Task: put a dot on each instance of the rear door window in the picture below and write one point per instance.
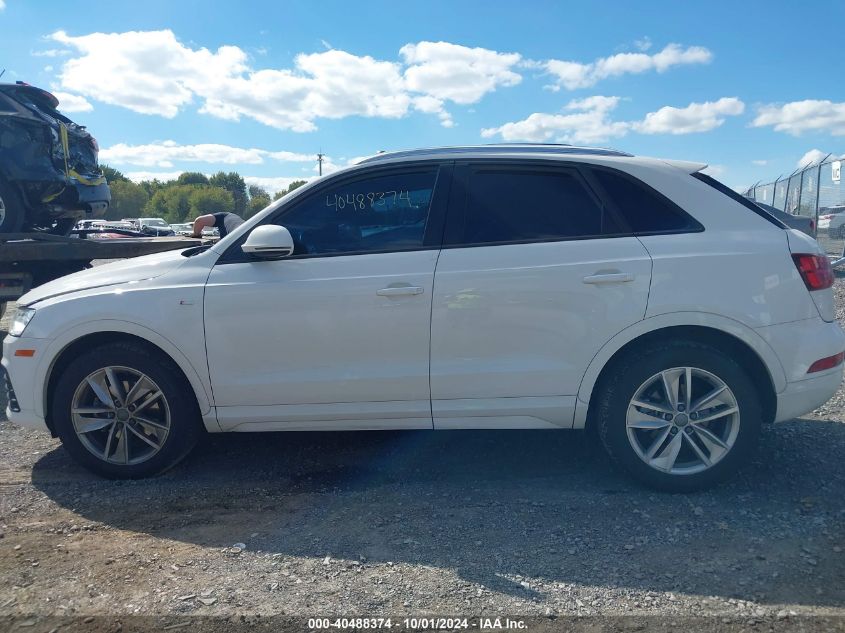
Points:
(507, 204)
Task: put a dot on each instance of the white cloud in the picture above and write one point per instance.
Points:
(457, 73)
(798, 117)
(760, 163)
(272, 184)
(696, 117)
(166, 153)
(585, 121)
(589, 121)
(573, 75)
(138, 176)
(2, 5)
(72, 103)
(151, 72)
(643, 44)
(814, 156)
(51, 52)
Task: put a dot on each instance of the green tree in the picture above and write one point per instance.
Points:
(256, 204)
(172, 202)
(296, 184)
(152, 186)
(192, 178)
(258, 192)
(127, 200)
(205, 200)
(112, 175)
(234, 183)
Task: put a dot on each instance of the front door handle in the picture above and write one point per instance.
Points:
(608, 278)
(399, 291)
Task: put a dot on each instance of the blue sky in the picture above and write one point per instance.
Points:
(260, 87)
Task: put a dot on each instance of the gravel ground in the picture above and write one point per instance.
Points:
(483, 523)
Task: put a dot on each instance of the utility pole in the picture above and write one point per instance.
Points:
(320, 163)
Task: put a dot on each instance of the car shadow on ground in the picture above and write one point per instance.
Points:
(497, 507)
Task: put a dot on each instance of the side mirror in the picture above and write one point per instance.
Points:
(269, 241)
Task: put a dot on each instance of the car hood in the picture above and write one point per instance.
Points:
(125, 271)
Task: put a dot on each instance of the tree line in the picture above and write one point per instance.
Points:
(186, 197)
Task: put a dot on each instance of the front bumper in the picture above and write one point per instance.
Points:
(81, 201)
(22, 385)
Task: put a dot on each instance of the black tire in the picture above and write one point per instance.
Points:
(633, 370)
(12, 209)
(185, 424)
(841, 232)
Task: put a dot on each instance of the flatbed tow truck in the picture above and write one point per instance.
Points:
(31, 259)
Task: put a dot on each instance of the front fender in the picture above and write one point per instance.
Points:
(198, 380)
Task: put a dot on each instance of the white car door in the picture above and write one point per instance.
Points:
(529, 286)
(337, 335)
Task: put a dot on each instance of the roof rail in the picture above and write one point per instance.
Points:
(498, 148)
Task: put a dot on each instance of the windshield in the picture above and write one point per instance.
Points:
(155, 222)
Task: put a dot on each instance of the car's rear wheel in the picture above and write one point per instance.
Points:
(125, 411)
(841, 232)
(680, 416)
(12, 211)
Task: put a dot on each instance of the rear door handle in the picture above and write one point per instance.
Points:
(399, 291)
(609, 278)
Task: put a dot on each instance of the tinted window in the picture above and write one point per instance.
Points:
(514, 205)
(382, 213)
(644, 210)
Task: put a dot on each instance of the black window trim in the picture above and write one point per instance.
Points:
(694, 225)
(434, 227)
(457, 213)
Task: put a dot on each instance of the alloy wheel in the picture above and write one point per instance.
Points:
(682, 420)
(2, 211)
(120, 415)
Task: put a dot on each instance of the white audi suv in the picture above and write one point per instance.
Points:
(494, 287)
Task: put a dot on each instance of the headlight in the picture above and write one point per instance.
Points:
(22, 318)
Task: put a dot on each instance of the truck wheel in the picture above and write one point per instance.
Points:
(12, 211)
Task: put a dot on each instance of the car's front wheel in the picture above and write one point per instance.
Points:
(679, 416)
(125, 411)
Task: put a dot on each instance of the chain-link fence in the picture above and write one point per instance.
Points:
(816, 192)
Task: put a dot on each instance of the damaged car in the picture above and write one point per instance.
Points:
(49, 174)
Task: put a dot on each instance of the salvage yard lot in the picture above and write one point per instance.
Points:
(450, 523)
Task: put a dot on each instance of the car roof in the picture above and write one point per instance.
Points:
(497, 149)
(523, 151)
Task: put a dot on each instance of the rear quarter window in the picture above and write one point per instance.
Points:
(643, 209)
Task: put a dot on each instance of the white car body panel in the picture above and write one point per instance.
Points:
(308, 344)
(314, 332)
(521, 321)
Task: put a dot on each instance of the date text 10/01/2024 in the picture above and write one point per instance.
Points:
(419, 624)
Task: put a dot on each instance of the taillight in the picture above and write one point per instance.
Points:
(827, 363)
(826, 217)
(815, 270)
